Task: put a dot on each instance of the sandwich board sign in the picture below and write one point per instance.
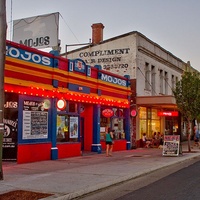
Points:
(171, 145)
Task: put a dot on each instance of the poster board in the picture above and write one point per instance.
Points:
(35, 120)
(171, 145)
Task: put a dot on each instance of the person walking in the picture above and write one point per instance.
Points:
(109, 142)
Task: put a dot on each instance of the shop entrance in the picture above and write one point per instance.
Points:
(82, 133)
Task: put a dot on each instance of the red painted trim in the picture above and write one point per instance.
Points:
(119, 145)
(27, 153)
(67, 150)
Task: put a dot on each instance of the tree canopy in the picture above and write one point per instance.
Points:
(187, 95)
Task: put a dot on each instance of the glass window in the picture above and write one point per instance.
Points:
(149, 121)
(115, 122)
(73, 107)
(142, 113)
(67, 128)
(118, 128)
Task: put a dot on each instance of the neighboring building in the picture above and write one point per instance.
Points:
(153, 73)
(56, 108)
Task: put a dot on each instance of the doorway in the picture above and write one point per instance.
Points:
(82, 133)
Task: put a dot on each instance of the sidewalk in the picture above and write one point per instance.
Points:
(73, 177)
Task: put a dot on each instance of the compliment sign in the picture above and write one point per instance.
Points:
(171, 145)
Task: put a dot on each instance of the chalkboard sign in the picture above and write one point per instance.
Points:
(35, 120)
(171, 145)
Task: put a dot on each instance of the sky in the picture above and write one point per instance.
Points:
(172, 24)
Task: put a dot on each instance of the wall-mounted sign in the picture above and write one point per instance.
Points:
(107, 113)
(35, 120)
(79, 66)
(168, 113)
(112, 79)
(61, 104)
(133, 113)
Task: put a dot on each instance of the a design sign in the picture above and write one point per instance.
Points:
(107, 113)
(168, 114)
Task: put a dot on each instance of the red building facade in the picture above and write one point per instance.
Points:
(54, 107)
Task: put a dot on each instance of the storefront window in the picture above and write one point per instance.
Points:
(73, 107)
(67, 128)
(118, 128)
(115, 122)
(171, 125)
(149, 122)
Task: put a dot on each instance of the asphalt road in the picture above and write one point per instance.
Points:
(177, 182)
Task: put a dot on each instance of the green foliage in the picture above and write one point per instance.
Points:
(187, 95)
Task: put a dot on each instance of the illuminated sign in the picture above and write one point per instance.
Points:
(133, 113)
(107, 113)
(168, 113)
(61, 104)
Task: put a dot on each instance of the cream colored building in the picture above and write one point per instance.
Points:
(153, 72)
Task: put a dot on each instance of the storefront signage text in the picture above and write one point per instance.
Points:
(108, 58)
(28, 56)
(168, 113)
(111, 79)
(107, 113)
(171, 145)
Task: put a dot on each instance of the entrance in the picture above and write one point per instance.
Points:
(82, 133)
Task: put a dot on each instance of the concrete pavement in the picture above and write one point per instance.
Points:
(72, 177)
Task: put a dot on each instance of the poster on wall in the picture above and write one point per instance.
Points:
(171, 145)
(73, 127)
(10, 121)
(62, 128)
(35, 120)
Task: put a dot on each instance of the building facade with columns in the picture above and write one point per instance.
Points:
(153, 73)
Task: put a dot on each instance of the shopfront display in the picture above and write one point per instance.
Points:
(150, 122)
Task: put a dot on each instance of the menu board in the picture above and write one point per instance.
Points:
(35, 120)
(171, 145)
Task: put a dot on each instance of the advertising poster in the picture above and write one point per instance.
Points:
(61, 127)
(73, 127)
(35, 120)
(10, 121)
(171, 145)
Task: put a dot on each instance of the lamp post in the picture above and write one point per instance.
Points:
(3, 27)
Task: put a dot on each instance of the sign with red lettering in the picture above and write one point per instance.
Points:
(168, 113)
(107, 113)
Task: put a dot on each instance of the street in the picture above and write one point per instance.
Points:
(180, 181)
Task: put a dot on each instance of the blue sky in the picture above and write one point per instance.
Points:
(173, 24)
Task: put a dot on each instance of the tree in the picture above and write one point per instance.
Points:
(3, 27)
(187, 95)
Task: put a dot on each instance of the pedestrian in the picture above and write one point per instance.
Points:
(196, 136)
(109, 142)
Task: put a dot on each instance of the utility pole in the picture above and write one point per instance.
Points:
(3, 28)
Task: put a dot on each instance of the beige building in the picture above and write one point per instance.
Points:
(153, 72)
